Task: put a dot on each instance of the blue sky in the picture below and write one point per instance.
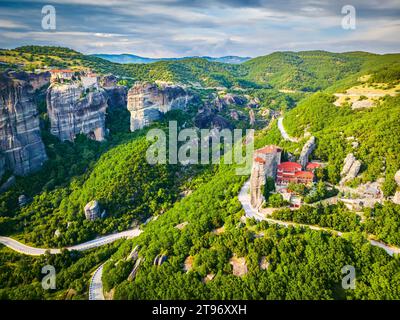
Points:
(176, 28)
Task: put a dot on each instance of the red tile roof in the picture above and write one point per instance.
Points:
(312, 165)
(269, 149)
(289, 166)
(61, 71)
(304, 174)
(259, 160)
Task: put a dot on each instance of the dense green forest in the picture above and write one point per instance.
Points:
(21, 276)
(295, 256)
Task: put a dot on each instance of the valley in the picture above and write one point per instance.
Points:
(75, 177)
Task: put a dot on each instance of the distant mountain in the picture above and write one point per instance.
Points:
(131, 58)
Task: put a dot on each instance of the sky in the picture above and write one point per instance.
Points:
(178, 28)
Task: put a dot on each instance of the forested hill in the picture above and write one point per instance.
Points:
(314, 70)
(359, 114)
(306, 71)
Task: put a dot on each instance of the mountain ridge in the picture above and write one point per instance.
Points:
(131, 58)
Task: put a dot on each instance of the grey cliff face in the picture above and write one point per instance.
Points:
(308, 148)
(148, 101)
(116, 94)
(21, 146)
(351, 168)
(72, 110)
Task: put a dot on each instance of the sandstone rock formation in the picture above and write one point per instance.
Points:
(308, 148)
(224, 101)
(8, 184)
(116, 94)
(265, 163)
(134, 254)
(209, 119)
(159, 260)
(351, 168)
(230, 98)
(2, 165)
(396, 198)
(148, 101)
(239, 266)
(252, 116)
(21, 147)
(135, 269)
(72, 110)
(253, 103)
(397, 177)
(22, 200)
(92, 210)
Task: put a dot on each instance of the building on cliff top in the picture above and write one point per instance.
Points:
(291, 172)
(90, 80)
(265, 164)
(59, 75)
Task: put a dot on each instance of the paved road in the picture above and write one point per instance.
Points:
(251, 212)
(24, 249)
(284, 134)
(96, 285)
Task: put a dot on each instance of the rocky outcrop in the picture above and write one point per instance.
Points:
(133, 255)
(307, 150)
(135, 269)
(148, 101)
(38, 80)
(397, 178)
(92, 210)
(222, 102)
(252, 117)
(351, 168)
(229, 99)
(21, 147)
(396, 198)
(265, 163)
(253, 103)
(116, 94)
(8, 184)
(209, 119)
(2, 165)
(159, 260)
(22, 200)
(72, 110)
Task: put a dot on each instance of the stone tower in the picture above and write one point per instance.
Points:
(265, 163)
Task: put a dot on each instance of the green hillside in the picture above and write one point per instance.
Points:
(376, 129)
(307, 71)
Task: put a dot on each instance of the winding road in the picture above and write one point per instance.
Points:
(96, 285)
(24, 249)
(244, 198)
